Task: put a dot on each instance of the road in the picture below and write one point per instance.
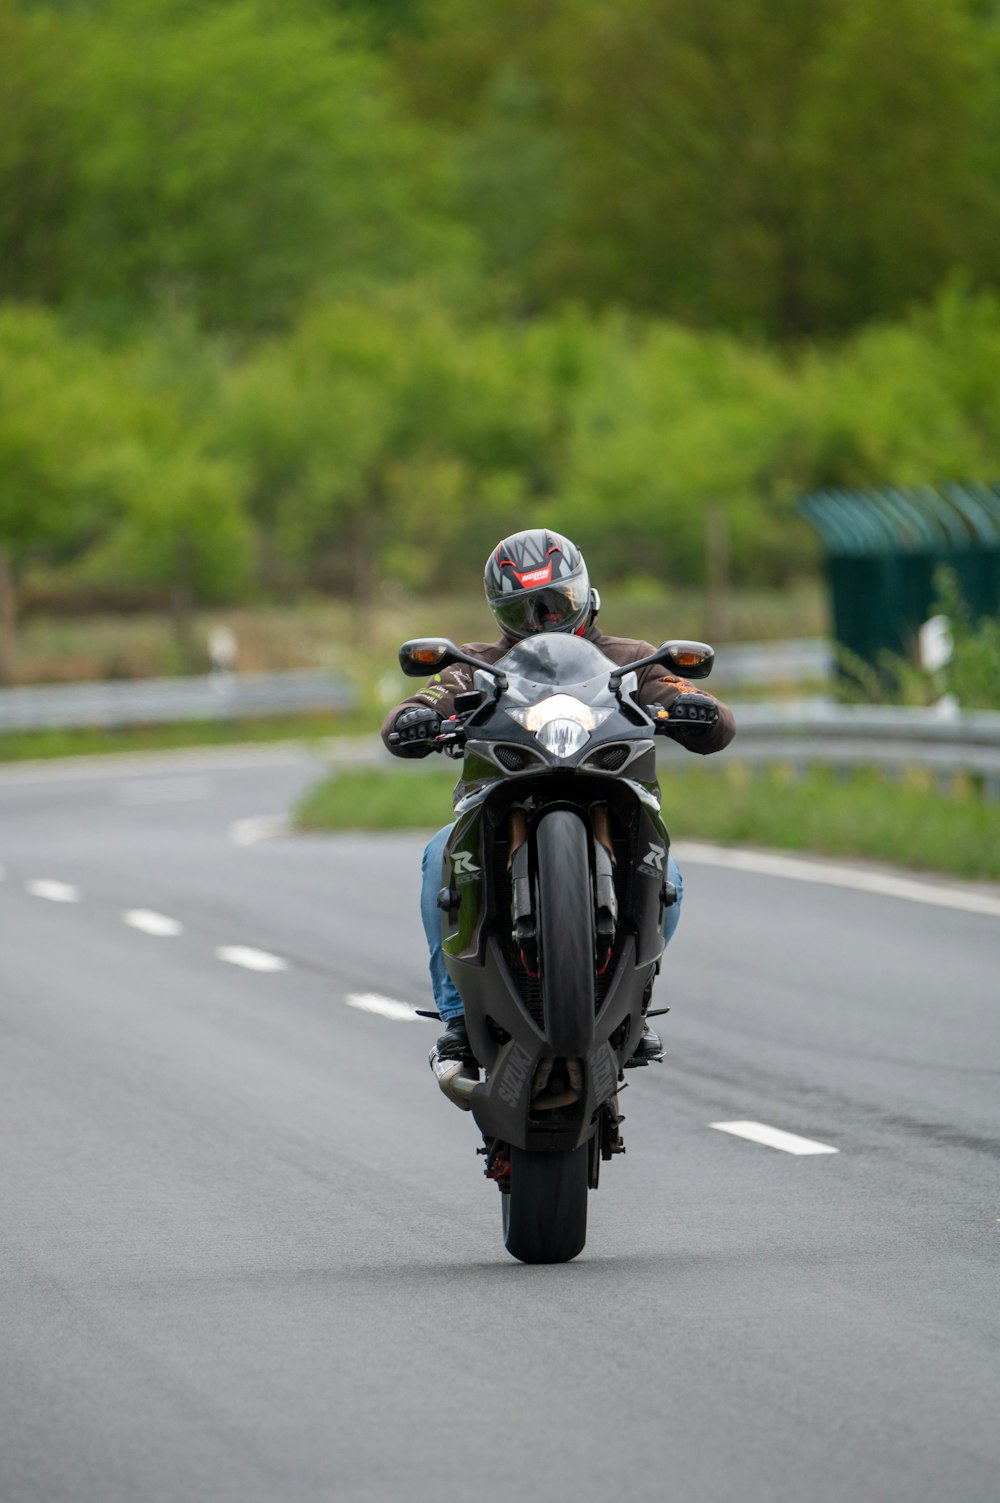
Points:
(247, 1252)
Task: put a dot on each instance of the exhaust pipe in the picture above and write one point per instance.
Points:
(544, 1098)
(456, 1080)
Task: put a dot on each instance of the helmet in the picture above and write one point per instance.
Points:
(537, 581)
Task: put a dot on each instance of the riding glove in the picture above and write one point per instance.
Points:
(414, 732)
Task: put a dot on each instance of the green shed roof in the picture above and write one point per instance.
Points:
(919, 520)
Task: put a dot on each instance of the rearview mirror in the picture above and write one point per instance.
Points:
(687, 659)
(426, 655)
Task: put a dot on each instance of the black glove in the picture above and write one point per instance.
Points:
(414, 732)
(689, 712)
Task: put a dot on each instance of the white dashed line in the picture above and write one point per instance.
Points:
(249, 959)
(773, 1137)
(149, 922)
(935, 895)
(54, 892)
(257, 827)
(385, 1007)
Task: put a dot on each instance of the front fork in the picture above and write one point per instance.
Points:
(605, 898)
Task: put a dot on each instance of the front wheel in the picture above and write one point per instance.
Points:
(545, 1209)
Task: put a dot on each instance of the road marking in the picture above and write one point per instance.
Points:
(385, 1007)
(55, 892)
(164, 791)
(773, 1137)
(883, 883)
(257, 827)
(251, 960)
(152, 923)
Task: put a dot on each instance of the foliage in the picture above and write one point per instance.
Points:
(234, 159)
(973, 675)
(56, 429)
(331, 294)
(760, 164)
(391, 438)
(971, 678)
(385, 437)
(109, 469)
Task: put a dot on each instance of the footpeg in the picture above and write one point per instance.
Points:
(648, 1051)
(639, 1062)
(456, 1079)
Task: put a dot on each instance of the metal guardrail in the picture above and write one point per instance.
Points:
(793, 661)
(162, 701)
(816, 732)
(227, 696)
(799, 733)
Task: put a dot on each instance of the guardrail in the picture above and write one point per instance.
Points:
(161, 701)
(227, 696)
(807, 733)
(798, 733)
(795, 660)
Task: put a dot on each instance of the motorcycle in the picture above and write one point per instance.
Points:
(554, 887)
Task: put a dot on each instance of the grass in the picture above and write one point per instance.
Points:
(17, 746)
(371, 799)
(908, 823)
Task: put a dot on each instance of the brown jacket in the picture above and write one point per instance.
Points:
(655, 687)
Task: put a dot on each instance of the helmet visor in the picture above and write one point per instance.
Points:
(558, 607)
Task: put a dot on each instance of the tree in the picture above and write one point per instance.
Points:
(384, 435)
(55, 431)
(778, 168)
(235, 159)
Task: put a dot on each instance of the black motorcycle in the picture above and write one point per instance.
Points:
(552, 907)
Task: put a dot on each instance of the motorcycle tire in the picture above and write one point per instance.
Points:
(565, 914)
(545, 1211)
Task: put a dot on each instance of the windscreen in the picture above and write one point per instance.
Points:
(552, 660)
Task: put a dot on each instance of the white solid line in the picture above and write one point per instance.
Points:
(251, 960)
(55, 892)
(385, 1007)
(257, 827)
(773, 1137)
(883, 883)
(149, 922)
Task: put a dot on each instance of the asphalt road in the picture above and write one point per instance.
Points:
(246, 1252)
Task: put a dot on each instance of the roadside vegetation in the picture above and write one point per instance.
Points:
(320, 299)
(311, 730)
(909, 823)
(323, 633)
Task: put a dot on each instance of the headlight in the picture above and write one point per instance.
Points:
(563, 738)
(559, 707)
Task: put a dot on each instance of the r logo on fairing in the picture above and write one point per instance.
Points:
(464, 865)
(654, 857)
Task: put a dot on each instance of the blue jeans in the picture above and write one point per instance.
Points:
(446, 997)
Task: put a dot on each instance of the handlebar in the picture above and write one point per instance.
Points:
(452, 737)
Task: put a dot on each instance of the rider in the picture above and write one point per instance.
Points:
(537, 581)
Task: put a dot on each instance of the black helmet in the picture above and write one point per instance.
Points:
(537, 581)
